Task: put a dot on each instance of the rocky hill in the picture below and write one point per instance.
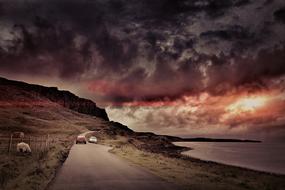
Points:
(36, 93)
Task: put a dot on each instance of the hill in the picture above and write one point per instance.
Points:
(17, 93)
(36, 109)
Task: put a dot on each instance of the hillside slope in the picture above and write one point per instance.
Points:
(17, 93)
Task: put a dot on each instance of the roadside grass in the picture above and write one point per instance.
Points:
(34, 172)
(195, 174)
(26, 172)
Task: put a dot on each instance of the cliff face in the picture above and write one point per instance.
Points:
(69, 100)
(63, 98)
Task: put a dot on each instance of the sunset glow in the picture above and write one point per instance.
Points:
(247, 104)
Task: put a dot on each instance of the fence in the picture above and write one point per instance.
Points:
(8, 144)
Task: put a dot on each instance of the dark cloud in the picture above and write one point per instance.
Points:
(142, 50)
(42, 49)
(232, 33)
(53, 34)
(280, 15)
(229, 72)
(169, 8)
(1, 9)
(267, 2)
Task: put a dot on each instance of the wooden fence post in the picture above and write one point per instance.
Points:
(42, 144)
(30, 142)
(35, 144)
(47, 142)
(10, 144)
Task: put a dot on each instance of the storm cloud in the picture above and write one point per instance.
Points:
(153, 50)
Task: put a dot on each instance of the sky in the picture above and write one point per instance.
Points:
(213, 68)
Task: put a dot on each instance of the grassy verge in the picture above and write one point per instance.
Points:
(195, 174)
(32, 172)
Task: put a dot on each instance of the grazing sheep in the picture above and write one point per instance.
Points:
(23, 147)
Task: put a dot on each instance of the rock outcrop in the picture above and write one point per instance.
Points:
(63, 98)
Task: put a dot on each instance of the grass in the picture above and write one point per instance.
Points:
(26, 172)
(34, 172)
(195, 174)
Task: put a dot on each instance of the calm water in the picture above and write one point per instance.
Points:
(268, 157)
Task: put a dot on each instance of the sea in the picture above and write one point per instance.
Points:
(264, 156)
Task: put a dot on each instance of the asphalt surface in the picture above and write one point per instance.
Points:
(92, 167)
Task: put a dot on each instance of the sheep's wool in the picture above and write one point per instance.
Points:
(23, 147)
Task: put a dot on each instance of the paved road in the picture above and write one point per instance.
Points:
(92, 167)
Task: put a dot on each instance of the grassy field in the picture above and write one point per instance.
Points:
(194, 174)
(26, 172)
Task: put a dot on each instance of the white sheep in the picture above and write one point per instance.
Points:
(23, 147)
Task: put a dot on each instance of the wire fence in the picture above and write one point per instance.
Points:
(8, 144)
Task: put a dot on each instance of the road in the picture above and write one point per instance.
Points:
(92, 167)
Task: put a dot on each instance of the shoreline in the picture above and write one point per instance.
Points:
(202, 139)
(232, 165)
(243, 165)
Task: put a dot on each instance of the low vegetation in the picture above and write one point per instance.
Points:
(195, 174)
(35, 171)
